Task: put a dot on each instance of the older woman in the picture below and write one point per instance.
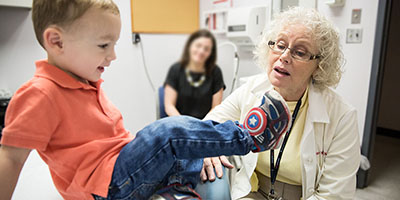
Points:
(302, 59)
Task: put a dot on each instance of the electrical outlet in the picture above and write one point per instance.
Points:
(354, 35)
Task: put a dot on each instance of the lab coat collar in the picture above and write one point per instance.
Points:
(61, 78)
(261, 84)
(317, 110)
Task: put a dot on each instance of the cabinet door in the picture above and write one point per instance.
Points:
(16, 3)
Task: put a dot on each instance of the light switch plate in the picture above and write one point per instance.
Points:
(356, 16)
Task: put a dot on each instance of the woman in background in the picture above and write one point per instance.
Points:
(194, 85)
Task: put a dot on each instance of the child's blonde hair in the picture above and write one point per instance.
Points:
(63, 13)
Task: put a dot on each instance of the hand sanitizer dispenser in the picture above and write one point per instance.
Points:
(245, 25)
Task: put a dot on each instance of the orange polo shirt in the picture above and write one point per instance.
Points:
(76, 130)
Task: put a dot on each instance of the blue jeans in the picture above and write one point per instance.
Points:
(169, 151)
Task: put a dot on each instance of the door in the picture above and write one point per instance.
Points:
(382, 108)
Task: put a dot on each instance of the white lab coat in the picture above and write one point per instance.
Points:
(330, 127)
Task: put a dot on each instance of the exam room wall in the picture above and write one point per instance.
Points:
(358, 57)
(125, 82)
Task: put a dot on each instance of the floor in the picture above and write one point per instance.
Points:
(384, 182)
(35, 181)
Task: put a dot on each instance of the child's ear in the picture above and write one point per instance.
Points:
(53, 40)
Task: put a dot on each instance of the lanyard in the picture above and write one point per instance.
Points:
(275, 167)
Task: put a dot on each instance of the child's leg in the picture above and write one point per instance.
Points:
(185, 172)
(148, 160)
(145, 162)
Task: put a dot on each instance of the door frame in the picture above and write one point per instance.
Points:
(375, 87)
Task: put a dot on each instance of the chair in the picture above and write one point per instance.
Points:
(3, 108)
(219, 189)
(160, 109)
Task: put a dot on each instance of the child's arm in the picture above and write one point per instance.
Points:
(11, 161)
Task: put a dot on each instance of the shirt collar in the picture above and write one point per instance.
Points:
(304, 100)
(61, 78)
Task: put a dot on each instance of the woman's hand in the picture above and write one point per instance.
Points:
(207, 172)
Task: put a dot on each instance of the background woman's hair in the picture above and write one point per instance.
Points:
(323, 33)
(210, 62)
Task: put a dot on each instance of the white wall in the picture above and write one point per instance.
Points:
(125, 81)
(354, 85)
(18, 47)
(355, 82)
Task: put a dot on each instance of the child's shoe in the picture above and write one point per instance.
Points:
(176, 191)
(268, 122)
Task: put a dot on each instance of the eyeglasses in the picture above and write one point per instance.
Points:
(296, 53)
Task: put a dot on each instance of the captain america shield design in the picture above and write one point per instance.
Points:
(256, 121)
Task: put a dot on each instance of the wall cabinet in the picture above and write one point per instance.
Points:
(16, 3)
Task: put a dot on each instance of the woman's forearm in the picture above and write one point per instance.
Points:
(171, 110)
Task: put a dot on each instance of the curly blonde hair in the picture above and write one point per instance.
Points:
(323, 33)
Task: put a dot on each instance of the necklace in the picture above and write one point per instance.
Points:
(190, 79)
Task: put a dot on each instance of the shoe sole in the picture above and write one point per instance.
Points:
(275, 95)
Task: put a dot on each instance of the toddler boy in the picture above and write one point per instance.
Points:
(63, 113)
